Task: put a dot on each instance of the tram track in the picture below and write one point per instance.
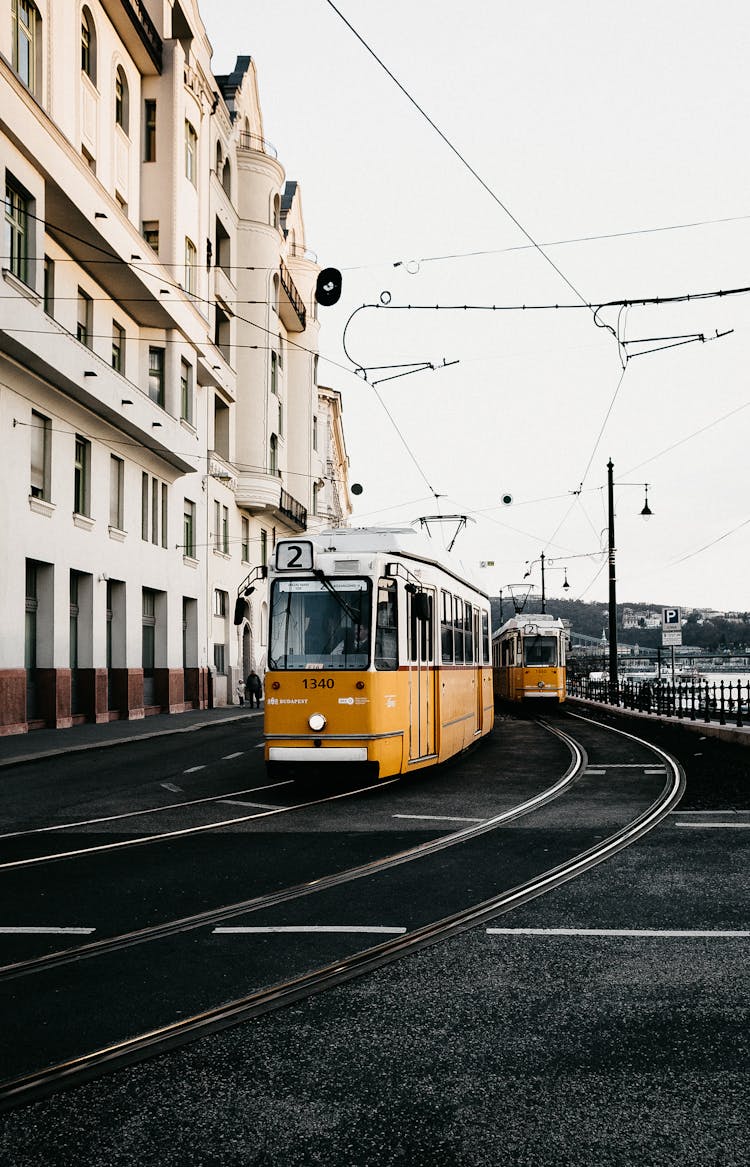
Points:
(285, 991)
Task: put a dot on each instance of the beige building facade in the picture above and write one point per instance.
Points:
(158, 365)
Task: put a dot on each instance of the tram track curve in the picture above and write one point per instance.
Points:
(168, 1036)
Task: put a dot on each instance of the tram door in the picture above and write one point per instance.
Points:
(422, 676)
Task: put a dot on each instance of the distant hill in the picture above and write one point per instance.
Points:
(591, 619)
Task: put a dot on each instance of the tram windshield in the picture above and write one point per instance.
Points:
(540, 650)
(316, 625)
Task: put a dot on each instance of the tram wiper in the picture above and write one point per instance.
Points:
(354, 616)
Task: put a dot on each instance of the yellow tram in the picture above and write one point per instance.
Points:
(379, 655)
(528, 657)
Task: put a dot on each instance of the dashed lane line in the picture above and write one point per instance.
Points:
(252, 805)
(377, 930)
(669, 933)
(716, 826)
(438, 818)
(171, 786)
(40, 930)
(193, 769)
(230, 757)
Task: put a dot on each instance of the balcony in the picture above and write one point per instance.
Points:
(129, 16)
(259, 493)
(293, 510)
(291, 308)
(255, 142)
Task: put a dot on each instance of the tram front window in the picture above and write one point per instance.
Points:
(540, 650)
(317, 625)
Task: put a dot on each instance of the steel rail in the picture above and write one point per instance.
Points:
(94, 948)
(41, 1083)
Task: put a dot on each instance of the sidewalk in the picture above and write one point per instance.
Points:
(738, 735)
(48, 743)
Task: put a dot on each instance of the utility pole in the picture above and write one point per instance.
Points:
(612, 586)
(541, 557)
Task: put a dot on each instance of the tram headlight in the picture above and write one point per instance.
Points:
(317, 721)
(540, 684)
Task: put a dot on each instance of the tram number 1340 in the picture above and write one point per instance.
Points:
(319, 683)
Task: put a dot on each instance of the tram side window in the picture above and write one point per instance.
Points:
(468, 634)
(485, 638)
(458, 629)
(507, 647)
(446, 627)
(420, 631)
(386, 626)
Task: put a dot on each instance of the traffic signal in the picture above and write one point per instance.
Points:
(328, 287)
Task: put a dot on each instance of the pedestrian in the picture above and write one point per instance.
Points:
(241, 692)
(254, 688)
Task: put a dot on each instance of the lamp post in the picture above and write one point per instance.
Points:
(542, 560)
(646, 512)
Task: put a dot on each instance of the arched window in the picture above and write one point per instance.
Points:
(26, 40)
(219, 158)
(122, 103)
(273, 454)
(226, 178)
(88, 45)
(276, 211)
(275, 299)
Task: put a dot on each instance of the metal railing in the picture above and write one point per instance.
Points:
(255, 142)
(727, 702)
(293, 510)
(146, 27)
(292, 294)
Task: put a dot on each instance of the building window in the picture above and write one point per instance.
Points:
(122, 100)
(186, 391)
(315, 498)
(220, 602)
(118, 347)
(164, 514)
(315, 433)
(281, 419)
(150, 232)
(83, 327)
(49, 286)
(191, 151)
(88, 45)
(156, 375)
(41, 430)
(191, 271)
(219, 658)
(154, 511)
(25, 21)
(17, 209)
(226, 179)
(221, 528)
(188, 530)
(274, 373)
(148, 618)
(264, 547)
(245, 540)
(82, 476)
(273, 454)
(149, 131)
(116, 501)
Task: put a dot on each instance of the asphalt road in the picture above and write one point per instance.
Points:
(530, 1045)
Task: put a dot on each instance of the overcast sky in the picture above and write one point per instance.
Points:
(582, 119)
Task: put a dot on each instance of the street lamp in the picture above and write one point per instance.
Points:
(543, 559)
(646, 514)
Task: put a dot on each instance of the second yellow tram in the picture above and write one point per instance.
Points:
(528, 657)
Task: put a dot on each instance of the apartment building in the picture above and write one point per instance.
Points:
(158, 341)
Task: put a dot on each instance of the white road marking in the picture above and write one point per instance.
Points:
(707, 812)
(193, 769)
(716, 826)
(338, 928)
(229, 757)
(597, 772)
(171, 786)
(43, 931)
(261, 746)
(654, 770)
(254, 805)
(438, 818)
(670, 933)
(628, 766)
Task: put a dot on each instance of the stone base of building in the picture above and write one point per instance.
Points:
(60, 698)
